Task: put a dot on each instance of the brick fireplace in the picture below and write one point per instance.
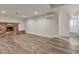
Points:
(8, 28)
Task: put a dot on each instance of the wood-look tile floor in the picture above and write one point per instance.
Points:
(31, 44)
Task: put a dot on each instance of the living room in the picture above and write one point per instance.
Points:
(39, 28)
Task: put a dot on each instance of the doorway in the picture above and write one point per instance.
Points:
(74, 26)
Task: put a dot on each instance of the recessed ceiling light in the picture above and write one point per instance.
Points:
(35, 12)
(24, 16)
(3, 11)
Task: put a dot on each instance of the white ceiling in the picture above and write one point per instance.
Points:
(24, 9)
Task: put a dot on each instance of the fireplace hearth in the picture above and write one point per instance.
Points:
(8, 28)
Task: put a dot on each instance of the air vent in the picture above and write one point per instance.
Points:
(50, 13)
(17, 12)
(56, 5)
(49, 16)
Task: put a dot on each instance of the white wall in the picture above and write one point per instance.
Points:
(42, 26)
(46, 27)
(65, 14)
(13, 20)
(78, 25)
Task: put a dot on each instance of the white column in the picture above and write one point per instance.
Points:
(64, 23)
